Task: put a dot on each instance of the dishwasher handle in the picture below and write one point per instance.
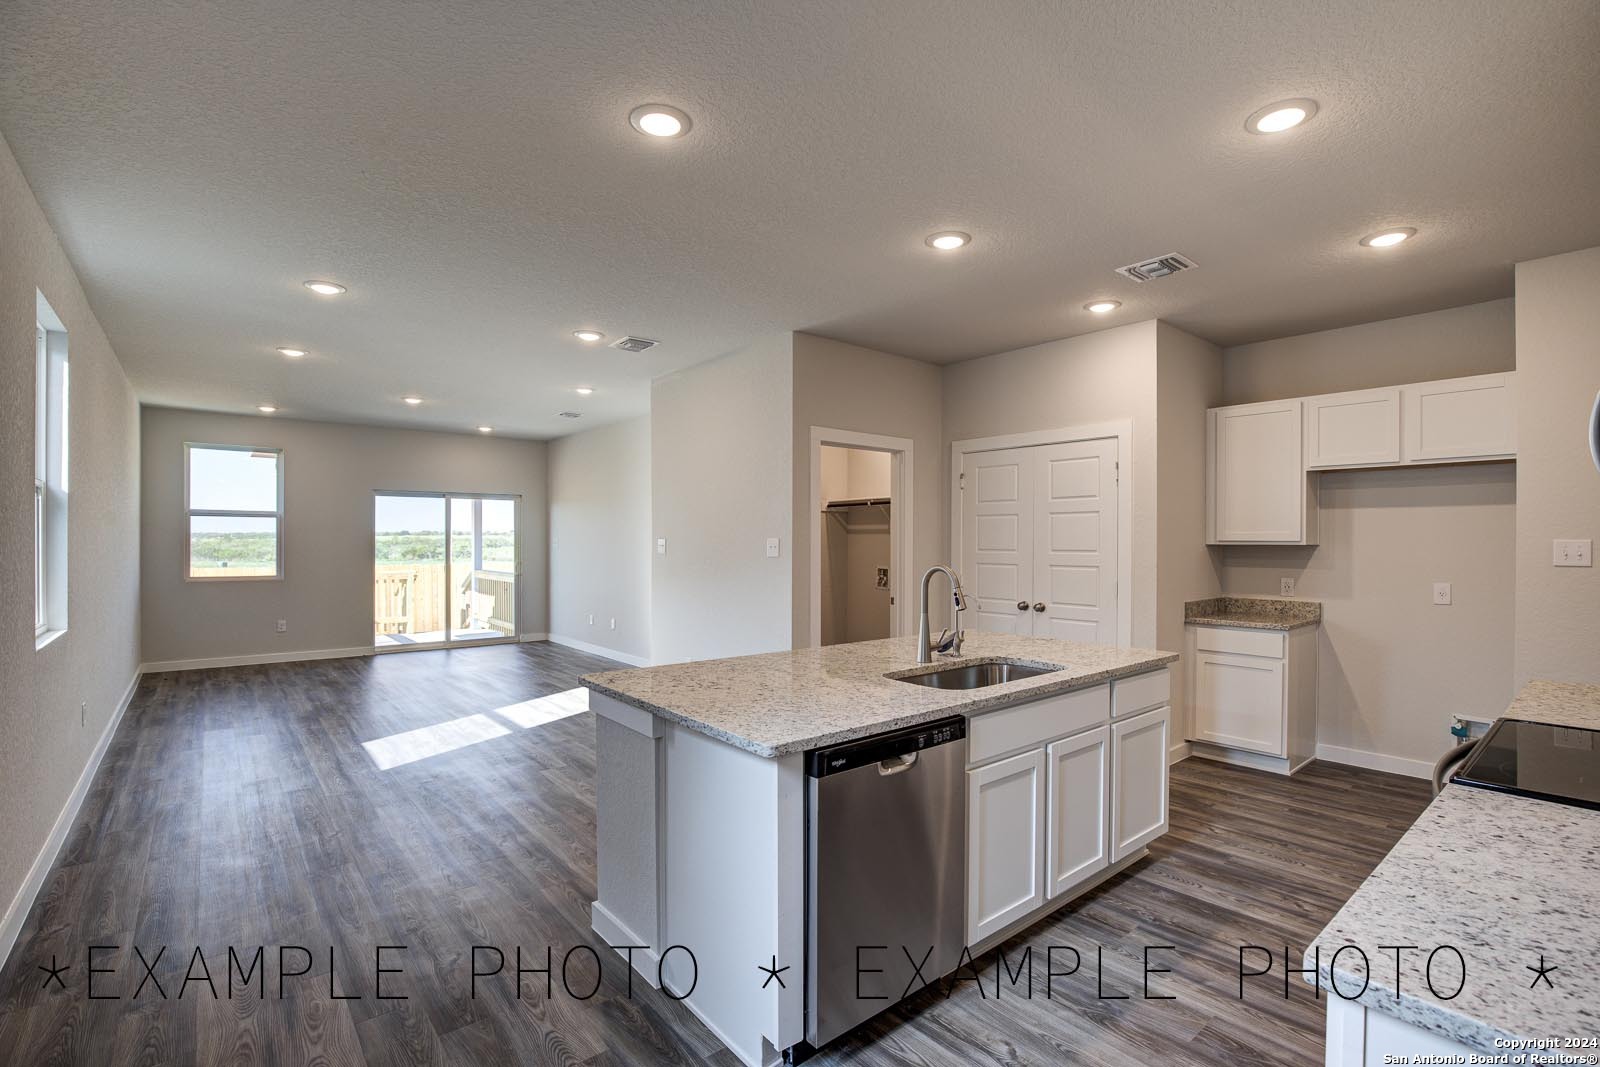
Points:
(898, 765)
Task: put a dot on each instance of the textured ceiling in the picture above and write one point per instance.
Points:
(468, 170)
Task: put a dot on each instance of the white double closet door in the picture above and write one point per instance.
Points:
(1039, 540)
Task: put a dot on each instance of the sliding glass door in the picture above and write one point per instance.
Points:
(444, 569)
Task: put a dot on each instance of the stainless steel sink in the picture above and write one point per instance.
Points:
(976, 675)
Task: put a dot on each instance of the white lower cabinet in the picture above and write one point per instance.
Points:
(1238, 701)
(1254, 695)
(1005, 829)
(1139, 781)
(1079, 772)
(1061, 791)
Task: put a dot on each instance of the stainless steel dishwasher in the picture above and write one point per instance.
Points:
(885, 871)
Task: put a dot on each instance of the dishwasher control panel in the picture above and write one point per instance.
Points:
(821, 762)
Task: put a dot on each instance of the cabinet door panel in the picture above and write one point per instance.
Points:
(1462, 418)
(1005, 827)
(1258, 483)
(1239, 701)
(1078, 770)
(1138, 781)
(1353, 429)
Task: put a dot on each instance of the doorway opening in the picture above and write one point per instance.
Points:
(860, 537)
(444, 570)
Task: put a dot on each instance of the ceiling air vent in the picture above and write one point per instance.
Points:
(570, 414)
(634, 344)
(1160, 267)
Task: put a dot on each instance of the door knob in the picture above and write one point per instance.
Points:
(1038, 605)
(1022, 605)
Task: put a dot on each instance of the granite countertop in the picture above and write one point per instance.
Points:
(786, 702)
(1503, 878)
(1253, 612)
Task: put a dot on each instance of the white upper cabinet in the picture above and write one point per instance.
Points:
(1460, 419)
(1353, 429)
(1259, 492)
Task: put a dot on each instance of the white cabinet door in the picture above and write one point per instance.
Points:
(1461, 418)
(997, 532)
(1005, 842)
(1239, 701)
(1353, 429)
(1138, 781)
(1079, 770)
(1075, 541)
(1257, 491)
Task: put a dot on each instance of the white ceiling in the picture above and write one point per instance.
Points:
(469, 171)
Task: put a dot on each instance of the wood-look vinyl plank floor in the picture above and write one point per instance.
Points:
(237, 807)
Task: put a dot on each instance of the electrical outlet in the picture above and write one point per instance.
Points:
(283, 626)
(1441, 593)
(613, 624)
(1574, 553)
(1286, 587)
(661, 546)
(83, 713)
(772, 548)
(591, 618)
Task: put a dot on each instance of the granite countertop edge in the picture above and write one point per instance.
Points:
(962, 702)
(1249, 623)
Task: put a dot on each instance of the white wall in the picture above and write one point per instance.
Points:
(56, 702)
(845, 387)
(600, 545)
(722, 467)
(1093, 378)
(1558, 489)
(1188, 381)
(1393, 668)
(331, 471)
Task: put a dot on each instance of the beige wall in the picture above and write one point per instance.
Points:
(55, 702)
(1097, 377)
(600, 537)
(1454, 343)
(1558, 489)
(330, 473)
(1188, 381)
(1393, 667)
(844, 387)
(722, 464)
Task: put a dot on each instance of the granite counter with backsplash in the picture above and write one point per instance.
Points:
(1253, 612)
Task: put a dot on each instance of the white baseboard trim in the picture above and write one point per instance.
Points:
(599, 650)
(525, 638)
(22, 903)
(1376, 761)
(613, 931)
(1179, 752)
(263, 657)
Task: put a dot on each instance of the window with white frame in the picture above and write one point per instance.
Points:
(50, 433)
(234, 496)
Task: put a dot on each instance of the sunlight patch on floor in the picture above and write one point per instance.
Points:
(541, 710)
(397, 750)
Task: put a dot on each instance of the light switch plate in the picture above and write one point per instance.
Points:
(661, 546)
(283, 626)
(1286, 587)
(772, 548)
(1573, 553)
(1441, 593)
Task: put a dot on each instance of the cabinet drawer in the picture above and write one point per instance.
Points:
(994, 733)
(1240, 642)
(1142, 691)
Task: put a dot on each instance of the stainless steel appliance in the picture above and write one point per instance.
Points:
(1537, 759)
(885, 867)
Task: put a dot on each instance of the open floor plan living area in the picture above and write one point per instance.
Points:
(910, 535)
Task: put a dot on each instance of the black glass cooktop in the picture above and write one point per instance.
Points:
(1536, 759)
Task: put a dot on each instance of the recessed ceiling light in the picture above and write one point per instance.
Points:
(293, 353)
(588, 336)
(266, 409)
(1284, 115)
(659, 120)
(486, 429)
(1101, 307)
(949, 240)
(1389, 238)
(583, 390)
(325, 288)
(412, 400)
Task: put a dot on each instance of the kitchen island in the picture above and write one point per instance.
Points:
(701, 802)
(1486, 883)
